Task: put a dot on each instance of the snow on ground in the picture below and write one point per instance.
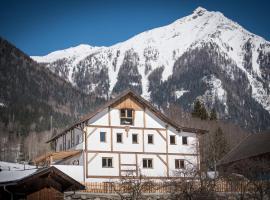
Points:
(15, 171)
(15, 175)
(8, 166)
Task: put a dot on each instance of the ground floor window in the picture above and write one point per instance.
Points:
(107, 162)
(179, 164)
(77, 139)
(147, 163)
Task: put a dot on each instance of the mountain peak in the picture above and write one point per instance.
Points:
(200, 11)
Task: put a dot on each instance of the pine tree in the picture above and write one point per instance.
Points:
(200, 111)
(203, 113)
(197, 109)
(213, 114)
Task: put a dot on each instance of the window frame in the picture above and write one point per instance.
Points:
(137, 141)
(121, 134)
(173, 136)
(179, 161)
(77, 139)
(68, 144)
(107, 158)
(126, 116)
(148, 138)
(147, 163)
(183, 140)
(105, 138)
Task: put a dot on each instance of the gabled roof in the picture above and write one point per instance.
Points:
(142, 101)
(251, 146)
(45, 177)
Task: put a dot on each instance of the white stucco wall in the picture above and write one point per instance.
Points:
(127, 144)
(190, 161)
(93, 141)
(152, 121)
(159, 144)
(159, 168)
(95, 165)
(100, 118)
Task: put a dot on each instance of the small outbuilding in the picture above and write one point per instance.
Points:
(251, 157)
(37, 184)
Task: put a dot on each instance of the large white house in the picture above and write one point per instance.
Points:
(126, 136)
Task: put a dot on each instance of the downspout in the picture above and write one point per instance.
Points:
(11, 194)
(84, 155)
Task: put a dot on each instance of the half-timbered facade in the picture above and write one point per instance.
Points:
(127, 136)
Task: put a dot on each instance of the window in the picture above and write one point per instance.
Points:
(184, 140)
(126, 116)
(172, 139)
(77, 139)
(135, 138)
(107, 162)
(150, 139)
(68, 146)
(179, 164)
(102, 136)
(119, 137)
(147, 163)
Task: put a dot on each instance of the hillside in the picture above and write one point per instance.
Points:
(31, 94)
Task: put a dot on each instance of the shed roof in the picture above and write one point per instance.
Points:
(253, 145)
(56, 155)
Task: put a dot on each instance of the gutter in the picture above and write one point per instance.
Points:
(11, 194)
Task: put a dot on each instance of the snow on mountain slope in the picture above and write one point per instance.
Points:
(161, 47)
(79, 52)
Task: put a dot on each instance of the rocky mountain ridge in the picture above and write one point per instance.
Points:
(202, 56)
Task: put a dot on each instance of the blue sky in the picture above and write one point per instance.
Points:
(39, 27)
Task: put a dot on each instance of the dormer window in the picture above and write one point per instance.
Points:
(126, 117)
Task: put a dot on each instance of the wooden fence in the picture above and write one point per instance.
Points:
(161, 187)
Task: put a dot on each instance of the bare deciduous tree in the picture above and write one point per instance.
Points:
(132, 187)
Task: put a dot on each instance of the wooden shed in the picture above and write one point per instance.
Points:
(47, 183)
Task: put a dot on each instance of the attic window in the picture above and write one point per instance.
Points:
(126, 117)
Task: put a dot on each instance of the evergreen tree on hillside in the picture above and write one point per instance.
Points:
(197, 109)
(128, 75)
(204, 114)
(213, 114)
(200, 111)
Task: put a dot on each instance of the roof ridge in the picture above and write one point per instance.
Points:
(119, 97)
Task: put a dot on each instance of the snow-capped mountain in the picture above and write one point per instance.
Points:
(201, 56)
